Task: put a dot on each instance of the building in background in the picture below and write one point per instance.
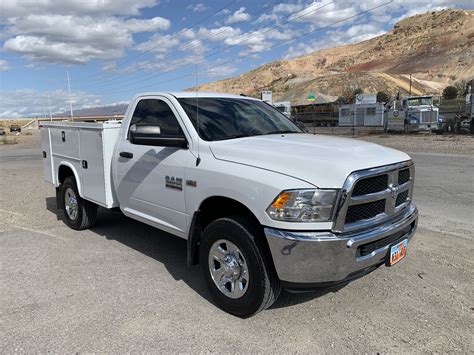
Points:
(362, 115)
(284, 107)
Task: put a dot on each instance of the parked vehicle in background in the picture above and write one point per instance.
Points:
(413, 113)
(284, 107)
(262, 204)
(2, 131)
(460, 123)
(15, 128)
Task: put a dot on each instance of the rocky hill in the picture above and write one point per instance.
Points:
(437, 48)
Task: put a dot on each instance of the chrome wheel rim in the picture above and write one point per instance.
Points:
(228, 268)
(70, 203)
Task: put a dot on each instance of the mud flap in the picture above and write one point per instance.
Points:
(59, 205)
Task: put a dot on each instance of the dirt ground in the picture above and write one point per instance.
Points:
(123, 286)
(425, 143)
(419, 143)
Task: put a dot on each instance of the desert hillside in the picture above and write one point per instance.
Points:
(437, 48)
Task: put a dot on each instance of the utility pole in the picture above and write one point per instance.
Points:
(410, 84)
(471, 105)
(69, 88)
(50, 112)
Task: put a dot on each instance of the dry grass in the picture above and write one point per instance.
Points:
(8, 140)
(7, 123)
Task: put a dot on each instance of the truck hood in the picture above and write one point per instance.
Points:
(322, 161)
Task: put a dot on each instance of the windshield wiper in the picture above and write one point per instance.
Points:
(280, 132)
(253, 135)
(232, 137)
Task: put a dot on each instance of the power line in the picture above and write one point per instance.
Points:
(290, 18)
(128, 60)
(267, 48)
(148, 65)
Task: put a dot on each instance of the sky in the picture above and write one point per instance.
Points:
(114, 49)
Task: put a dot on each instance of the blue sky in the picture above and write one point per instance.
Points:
(114, 49)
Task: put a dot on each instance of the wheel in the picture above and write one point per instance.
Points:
(78, 214)
(236, 269)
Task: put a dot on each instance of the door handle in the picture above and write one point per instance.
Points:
(126, 155)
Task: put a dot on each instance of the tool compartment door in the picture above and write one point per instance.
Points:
(48, 174)
(92, 165)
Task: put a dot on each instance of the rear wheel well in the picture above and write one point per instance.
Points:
(64, 172)
(211, 209)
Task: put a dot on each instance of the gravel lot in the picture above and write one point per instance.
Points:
(124, 286)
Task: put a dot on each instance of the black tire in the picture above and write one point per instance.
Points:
(263, 286)
(86, 210)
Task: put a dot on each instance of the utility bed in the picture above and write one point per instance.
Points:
(87, 148)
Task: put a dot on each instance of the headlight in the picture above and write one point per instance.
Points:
(303, 206)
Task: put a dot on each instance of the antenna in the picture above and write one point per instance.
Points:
(69, 88)
(50, 113)
(198, 160)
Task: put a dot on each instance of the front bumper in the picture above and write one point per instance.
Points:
(324, 258)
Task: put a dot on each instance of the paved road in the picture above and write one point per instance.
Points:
(123, 286)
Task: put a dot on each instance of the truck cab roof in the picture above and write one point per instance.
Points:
(193, 94)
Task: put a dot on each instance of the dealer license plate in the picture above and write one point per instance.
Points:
(397, 252)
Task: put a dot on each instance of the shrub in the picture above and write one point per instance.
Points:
(6, 140)
(382, 96)
(450, 92)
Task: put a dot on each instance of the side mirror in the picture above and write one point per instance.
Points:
(151, 135)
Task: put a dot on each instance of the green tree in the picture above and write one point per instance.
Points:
(462, 86)
(450, 92)
(382, 96)
(341, 100)
(357, 92)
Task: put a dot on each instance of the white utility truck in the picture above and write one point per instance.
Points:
(262, 204)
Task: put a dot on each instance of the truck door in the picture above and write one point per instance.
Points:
(150, 179)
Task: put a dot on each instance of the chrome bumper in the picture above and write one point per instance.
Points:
(326, 257)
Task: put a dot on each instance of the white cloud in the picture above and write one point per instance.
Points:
(21, 8)
(280, 12)
(260, 40)
(159, 44)
(109, 67)
(221, 71)
(354, 34)
(218, 34)
(32, 103)
(75, 40)
(238, 16)
(4, 65)
(287, 8)
(319, 14)
(200, 7)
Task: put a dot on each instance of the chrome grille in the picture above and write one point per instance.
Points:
(374, 195)
(401, 198)
(370, 185)
(403, 176)
(365, 211)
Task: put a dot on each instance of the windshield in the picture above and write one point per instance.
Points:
(419, 101)
(227, 118)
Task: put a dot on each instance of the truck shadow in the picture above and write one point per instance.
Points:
(168, 250)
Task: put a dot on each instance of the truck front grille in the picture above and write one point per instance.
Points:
(365, 211)
(374, 195)
(401, 198)
(403, 176)
(370, 185)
